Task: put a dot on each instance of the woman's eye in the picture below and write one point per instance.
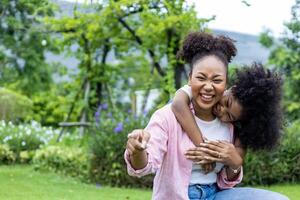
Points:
(217, 81)
(200, 78)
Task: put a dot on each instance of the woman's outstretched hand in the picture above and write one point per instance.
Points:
(137, 141)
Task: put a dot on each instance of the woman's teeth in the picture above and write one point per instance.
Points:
(206, 97)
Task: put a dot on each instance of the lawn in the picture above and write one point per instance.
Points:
(22, 182)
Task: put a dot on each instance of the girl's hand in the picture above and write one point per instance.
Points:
(223, 152)
(209, 167)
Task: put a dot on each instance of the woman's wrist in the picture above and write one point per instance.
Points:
(235, 169)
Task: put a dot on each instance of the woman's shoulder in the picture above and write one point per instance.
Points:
(164, 111)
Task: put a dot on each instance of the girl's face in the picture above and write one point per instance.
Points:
(228, 109)
(208, 81)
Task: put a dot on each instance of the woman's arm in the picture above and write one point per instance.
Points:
(144, 158)
(180, 108)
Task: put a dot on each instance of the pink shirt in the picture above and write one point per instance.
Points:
(166, 158)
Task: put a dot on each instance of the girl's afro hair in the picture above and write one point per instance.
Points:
(259, 91)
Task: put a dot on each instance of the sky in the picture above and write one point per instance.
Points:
(234, 15)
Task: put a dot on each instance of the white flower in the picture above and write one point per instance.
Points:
(23, 143)
(44, 42)
(28, 131)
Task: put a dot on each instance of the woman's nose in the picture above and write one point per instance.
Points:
(208, 87)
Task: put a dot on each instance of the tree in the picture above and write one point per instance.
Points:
(22, 45)
(285, 55)
(157, 28)
(145, 34)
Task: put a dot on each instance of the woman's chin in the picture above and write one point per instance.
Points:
(205, 105)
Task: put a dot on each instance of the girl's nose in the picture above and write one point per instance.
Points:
(222, 110)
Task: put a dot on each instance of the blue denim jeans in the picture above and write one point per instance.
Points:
(211, 192)
(244, 193)
(202, 192)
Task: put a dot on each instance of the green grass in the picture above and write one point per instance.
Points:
(292, 191)
(22, 182)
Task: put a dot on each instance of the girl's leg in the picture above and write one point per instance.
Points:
(249, 194)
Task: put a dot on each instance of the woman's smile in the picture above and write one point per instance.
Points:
(207, 98)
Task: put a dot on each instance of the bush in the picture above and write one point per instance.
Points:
(26, 157)
(14, 106)
(51, 107)
(6, 155)
(279, 166)
(25, 137)
(64, 160)
(107, 145)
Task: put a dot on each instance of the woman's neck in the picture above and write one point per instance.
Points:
(205, 115)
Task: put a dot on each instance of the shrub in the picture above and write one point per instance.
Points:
(51, 107)
(280, 166)
(6, 155)
(107, 145)
(26, 157)
(25, 137)
(14, 106)
(64, 160)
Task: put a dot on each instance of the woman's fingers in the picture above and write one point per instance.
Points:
(195, 158)
(213, 159)
(139, 139)
(211, 146)
(202, 162)
(209, 151)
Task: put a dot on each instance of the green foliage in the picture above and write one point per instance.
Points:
(14, 106)
(266, 39)
(285, 54)
(64, 160)
(107, 145)
(51, 107)
(25, 137)
(6, 155)
(25, 157)
(23, 43)
(280, 166)
(141, 36)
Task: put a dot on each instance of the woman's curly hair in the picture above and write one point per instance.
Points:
(259, 91)
(196, 45)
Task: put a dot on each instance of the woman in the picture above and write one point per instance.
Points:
(167, 142)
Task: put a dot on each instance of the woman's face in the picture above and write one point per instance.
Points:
(228, 109)
(208, 81)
